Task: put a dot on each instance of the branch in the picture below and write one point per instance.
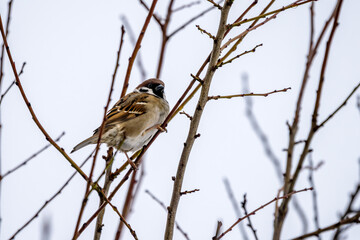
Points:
(30, 158)
(101, 129)
(3, 45)
(50, 200)
(191, 20)
(34, 117)
(261, 207)
(196, 120)
(108, 180)
(264, 15)
(353, 219)
(204, 31)
(221, 63)
(235, 205)
(164, 207)
(341, 106)
(314, 193)
(289, 184)
(248, 94)
(243, 205)
(137, 47)
(12, 84)
(186, 6)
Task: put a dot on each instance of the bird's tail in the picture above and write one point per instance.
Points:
(90, 140)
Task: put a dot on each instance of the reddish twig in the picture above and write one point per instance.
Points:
(261, 207)
(248, 94)
(235, 205)
(289, 184)
(48, 201)
(84, 201)
(250, 225)
(30, 158)
(346, 221)
(137, 47)
(127, 204)
(13, 83)
(164, 207)
(186, 6)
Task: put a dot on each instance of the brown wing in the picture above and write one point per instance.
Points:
(127, 108)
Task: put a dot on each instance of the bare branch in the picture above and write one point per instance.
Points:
(346, 221)
(30, 158)
(49, 201)
(186, 6)
(164, 207)
(137, 47)
(12, 84)
(250, 225)
(248, 94)
(204, 31)
(235, 205)
(261, 207)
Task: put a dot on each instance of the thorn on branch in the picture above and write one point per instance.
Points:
(197, 135)
(204, 31)
(188, 192)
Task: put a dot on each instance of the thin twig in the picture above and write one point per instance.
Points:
(186, 6)
(204, 31)
(218, 228)
(239, 55)
(196, 120)
(30, 158)
(99, 221)
(338, 108)
(186, 114)
(215, 4)
(34, 117)
(261, 207)
(289, 184)
(137, 47)
(131, 35)
(248, 94)
(89, 180)
(346, 221)
(12, 84)
(188, 192)
(187, 23)
(235, 205)
(127, 204)
(349, 208)
(164, 207)
(268, 149)
(314, 194)
(264, 15)
(250, 225)
(8, 20)
(48, 201)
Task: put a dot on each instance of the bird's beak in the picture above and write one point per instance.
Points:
(159, 88)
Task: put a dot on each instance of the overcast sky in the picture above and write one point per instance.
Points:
(70, 50)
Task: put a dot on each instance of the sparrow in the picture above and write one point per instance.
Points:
(134, 119)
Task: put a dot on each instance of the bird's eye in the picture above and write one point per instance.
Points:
(150, 85)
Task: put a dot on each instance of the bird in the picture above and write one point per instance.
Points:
(134, 119)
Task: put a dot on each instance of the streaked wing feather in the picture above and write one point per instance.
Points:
(127, 108)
